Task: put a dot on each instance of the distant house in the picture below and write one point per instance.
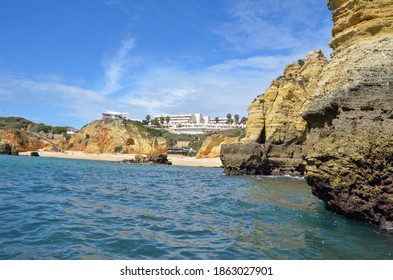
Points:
(71, 131)
(114, 116)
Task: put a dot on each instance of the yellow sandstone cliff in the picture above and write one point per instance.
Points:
(211, 147)
(116, 136)
(276, 123)
(276, 115)
(23, 141)
(349, 150)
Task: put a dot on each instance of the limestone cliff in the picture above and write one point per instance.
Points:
(275, 118)
(211, 147)
(349, 153)
(116, 136)
(22, 140)
(7, 149)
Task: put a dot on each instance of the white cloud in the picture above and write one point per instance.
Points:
(116, 67)
(274, 25)
(255, 62)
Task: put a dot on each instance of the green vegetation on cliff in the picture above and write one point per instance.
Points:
(16, 123)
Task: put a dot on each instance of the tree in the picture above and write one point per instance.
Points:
(155, 122)
(216, 119)
(229, 118)
(236, 117)
(162, 119)
(148, 118)
(243, 120)
(167, 119)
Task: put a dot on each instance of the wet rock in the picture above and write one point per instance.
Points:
(242, 159)
(152, 159)
(349, 152)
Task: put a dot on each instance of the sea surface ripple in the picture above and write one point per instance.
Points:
(74, 209)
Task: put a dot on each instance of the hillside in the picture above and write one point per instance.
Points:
(19, 133)
(115, 136)
(7, 123)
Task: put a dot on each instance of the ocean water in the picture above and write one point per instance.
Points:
(74, 209)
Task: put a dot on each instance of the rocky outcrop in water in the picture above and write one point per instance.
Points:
(275, 119)
(154, 159)
(349, 153)
(211, 147)
(116, 136)
(241, 159)
(7, 149)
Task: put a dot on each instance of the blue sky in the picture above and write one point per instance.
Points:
(65, 62)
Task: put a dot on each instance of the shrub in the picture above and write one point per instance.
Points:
(118, 149)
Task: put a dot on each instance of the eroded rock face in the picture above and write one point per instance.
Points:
(153, 159)
(211, 147)
(241, 159)
(275, 118)
(7, 149)
(349, 153)
(116, 136)
(22, 141)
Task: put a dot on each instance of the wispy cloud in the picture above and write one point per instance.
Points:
(273, 25)
(116, 67)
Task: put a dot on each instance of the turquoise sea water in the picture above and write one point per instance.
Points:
(73, 209)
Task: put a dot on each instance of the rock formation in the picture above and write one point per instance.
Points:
(154, 159)
(7, 149)
(275, 118)
(240, 159)
(116, 136)
(211, 147)
(22, 141)
(349, 153)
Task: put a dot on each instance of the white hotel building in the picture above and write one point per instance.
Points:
(109, 115)
(196, 124)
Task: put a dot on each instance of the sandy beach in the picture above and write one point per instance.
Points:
(175, 159)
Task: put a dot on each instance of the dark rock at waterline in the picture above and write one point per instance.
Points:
(350, 160)
(349, 151)
(242, 159)
(154, 159)
(253, 159)
(7, 149)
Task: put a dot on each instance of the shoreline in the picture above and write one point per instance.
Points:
(177, 160)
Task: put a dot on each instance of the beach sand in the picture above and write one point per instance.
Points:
(175, 159)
